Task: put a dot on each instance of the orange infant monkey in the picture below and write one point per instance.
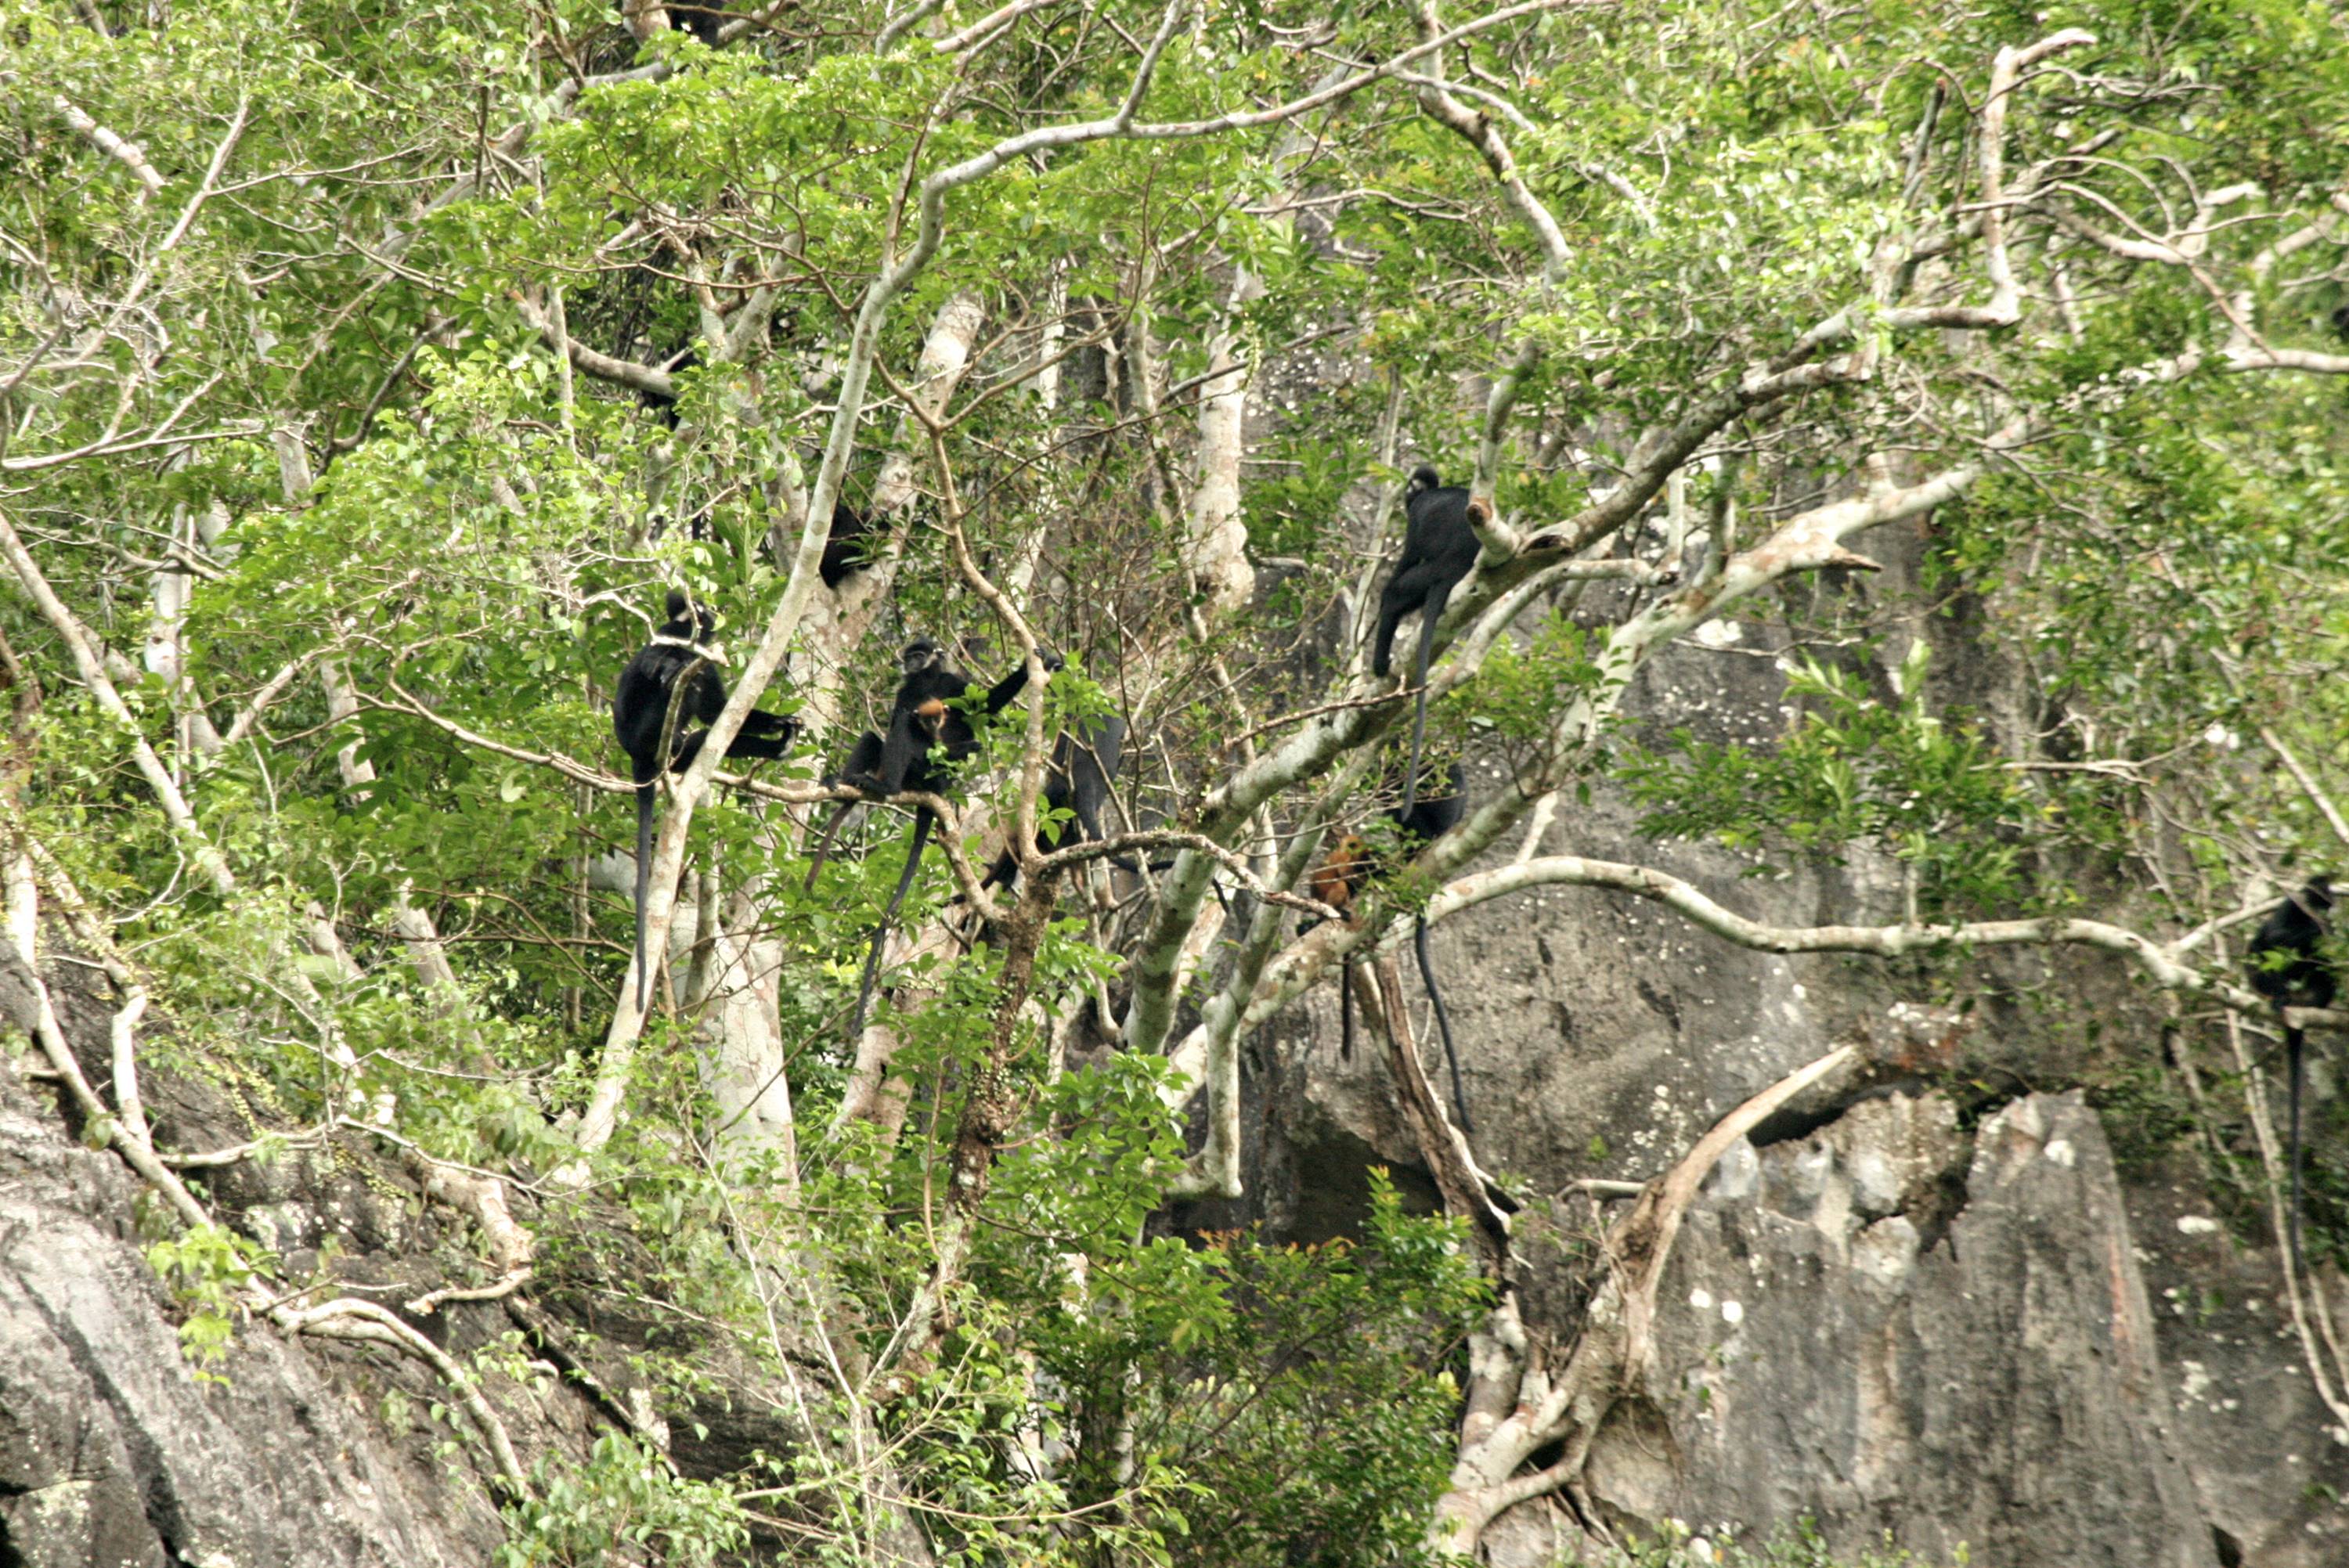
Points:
(1351, 863)
(1335, 882)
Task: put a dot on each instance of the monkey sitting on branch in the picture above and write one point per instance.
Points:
(1084, 766)
(672, 681)
(930, 734)
(1349, 867)
(1439, 550)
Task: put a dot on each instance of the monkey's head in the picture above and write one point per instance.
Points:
(920, 654)
(1422, 477)
(694, 623)
(2317, 896)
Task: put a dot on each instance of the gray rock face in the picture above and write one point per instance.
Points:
(2267, 1458)
(113, 1455)
(2001, 1344)
(1883, 1323)
(1860, 1338)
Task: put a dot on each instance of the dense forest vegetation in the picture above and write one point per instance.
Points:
(370, 374)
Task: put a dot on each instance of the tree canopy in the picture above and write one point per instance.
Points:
(367, 375)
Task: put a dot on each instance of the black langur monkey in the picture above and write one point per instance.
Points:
(920, 719)
(663, 405)
(2289, 968)
(702, 18)
(844, 547)
(927, 735)
(672, 681)
(1438, 548)
(843, 544)
(1350, 864)
(1422, 821)
(1085, 765)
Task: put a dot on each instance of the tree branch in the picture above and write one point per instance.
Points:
(2159, 961)
(649, 379)
(349, 1317)
(129, 154)
(25, 1001)
(83, 647)
(1479, 131)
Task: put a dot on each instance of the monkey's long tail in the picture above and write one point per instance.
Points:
(1429, 614)
(1005, 868)
(1345, 1011)
(2294, 1043)
(644, 888)
(881, 932)
(823, 845)
(1442, 1023)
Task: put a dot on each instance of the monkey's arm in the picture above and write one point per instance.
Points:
(1000, 694)
(862, 760)
(707, 697)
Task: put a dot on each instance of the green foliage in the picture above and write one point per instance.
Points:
(2145, 1113)
(624, 1503)
(1525, 691)
(208, 1268)
(1290, 1404)
(1928, 790)
(2135, 599)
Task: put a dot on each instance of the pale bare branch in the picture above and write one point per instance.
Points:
(129, 154)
